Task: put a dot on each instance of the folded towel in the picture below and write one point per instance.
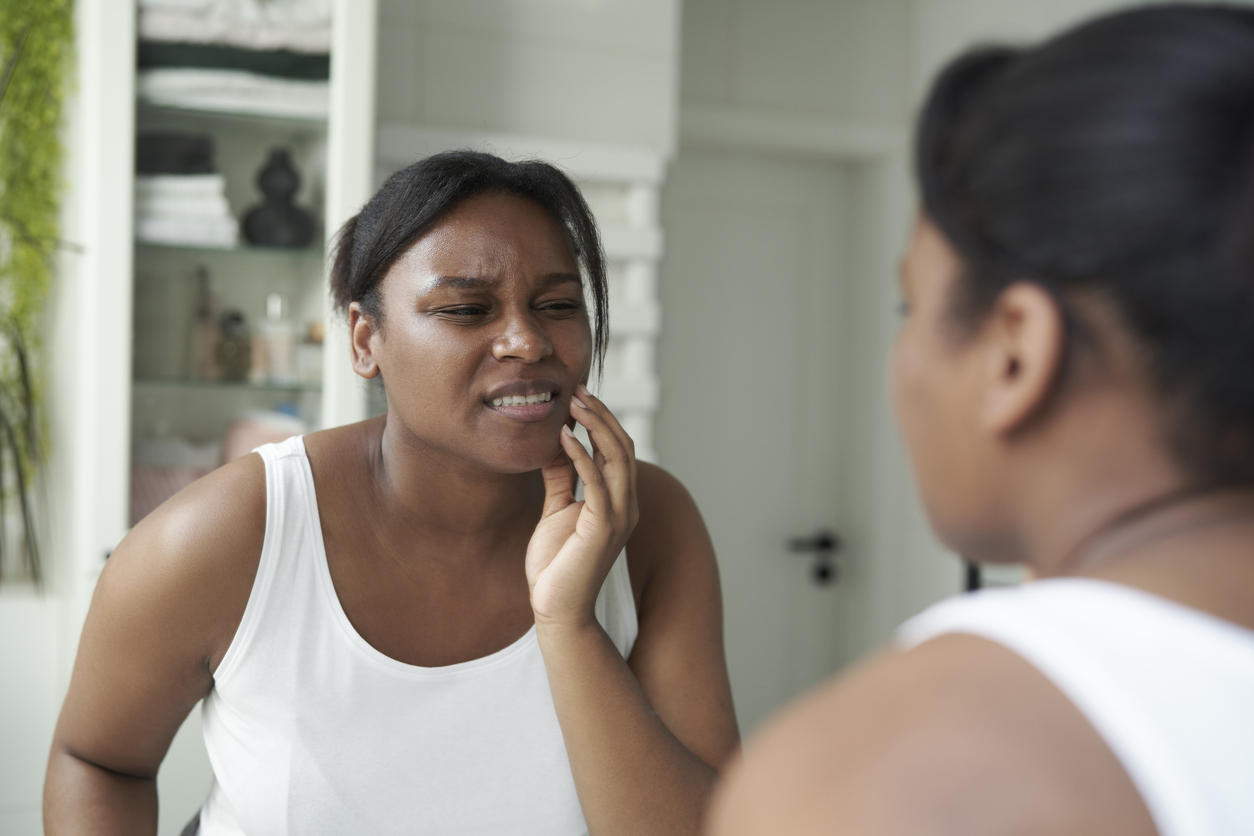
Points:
(182, 207)
(174, 152)
(296, 25)
(188, 186)
(284, 12)
(281, 63)
(232, 91)
(215, 233)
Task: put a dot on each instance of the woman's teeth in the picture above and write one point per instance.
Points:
(519, 400)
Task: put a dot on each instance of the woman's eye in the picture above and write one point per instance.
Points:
(465, 310)
(565, 306)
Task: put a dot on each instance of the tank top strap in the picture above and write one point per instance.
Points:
(288, 553)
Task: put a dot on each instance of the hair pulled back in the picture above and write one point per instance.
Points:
(416, 198)
(1118, 157)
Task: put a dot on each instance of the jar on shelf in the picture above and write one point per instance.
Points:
(234, 353)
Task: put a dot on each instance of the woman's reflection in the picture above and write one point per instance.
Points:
(412, 623)
(1074, 383)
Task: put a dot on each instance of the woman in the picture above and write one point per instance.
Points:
(411, 624)
(1075, 384)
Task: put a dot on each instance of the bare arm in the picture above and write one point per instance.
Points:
(163, 613)
(644, 740)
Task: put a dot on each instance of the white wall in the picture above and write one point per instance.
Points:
(832, 84)
(596, 70)
(838, 82)
(848, 60)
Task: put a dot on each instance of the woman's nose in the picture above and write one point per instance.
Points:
(522, 340)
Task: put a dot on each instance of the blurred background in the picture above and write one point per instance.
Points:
(748, 161)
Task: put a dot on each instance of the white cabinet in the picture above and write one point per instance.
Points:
(118, 358)
(116, 349)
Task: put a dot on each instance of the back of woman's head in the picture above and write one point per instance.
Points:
(416, 198)
(1117, 159)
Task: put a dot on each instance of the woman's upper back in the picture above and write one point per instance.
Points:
(1169, 689)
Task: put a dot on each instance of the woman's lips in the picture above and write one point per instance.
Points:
(517, 408)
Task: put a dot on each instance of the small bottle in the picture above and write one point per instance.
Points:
(279, 335)
(309, 354)
(234, 352)
(204, 342)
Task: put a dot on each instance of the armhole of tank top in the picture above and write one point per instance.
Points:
(265, 571)
(994, 616)
(618, 585)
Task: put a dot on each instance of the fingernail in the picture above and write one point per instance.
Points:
(583, 390)
(566, 430)
(578, 402)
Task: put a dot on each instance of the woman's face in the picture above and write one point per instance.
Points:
(485, 311)
(937, 391)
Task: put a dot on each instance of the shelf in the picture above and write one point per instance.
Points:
(172, 383)
(146, 108)
(248, 250)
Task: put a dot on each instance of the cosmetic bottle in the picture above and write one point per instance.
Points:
(234, 353)
(309, 354)
(279, 335)
(204, 336)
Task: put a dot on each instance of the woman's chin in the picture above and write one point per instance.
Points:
(524, 458)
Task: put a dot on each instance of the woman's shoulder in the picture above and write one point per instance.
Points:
(196, 555)
(670, 542)
(956, 735)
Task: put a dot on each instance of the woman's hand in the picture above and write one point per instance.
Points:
(576, 543)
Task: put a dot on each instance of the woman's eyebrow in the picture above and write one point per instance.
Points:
(461, 282)
(479, 282)
(554, 279)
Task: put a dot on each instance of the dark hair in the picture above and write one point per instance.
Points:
(1117, 157)
(415, 198)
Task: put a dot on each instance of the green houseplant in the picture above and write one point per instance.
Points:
(35, 47)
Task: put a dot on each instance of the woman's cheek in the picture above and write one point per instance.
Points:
(914, 408)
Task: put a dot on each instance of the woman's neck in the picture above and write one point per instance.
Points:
(429, 493)
(1196, 548)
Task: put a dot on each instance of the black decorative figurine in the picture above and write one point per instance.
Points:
(278, 222)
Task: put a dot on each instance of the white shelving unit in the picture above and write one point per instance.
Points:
(621, 184)
(95, 400)
(113, 376)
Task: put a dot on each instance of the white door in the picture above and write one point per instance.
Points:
(771, 359)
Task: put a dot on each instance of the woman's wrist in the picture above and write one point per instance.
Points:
(567, 630)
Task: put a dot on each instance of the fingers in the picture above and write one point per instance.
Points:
(615, 451)
(595, 493)
(559, 484)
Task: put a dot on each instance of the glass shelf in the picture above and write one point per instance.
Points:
(304, 253)
(249, 118)
(231, 385)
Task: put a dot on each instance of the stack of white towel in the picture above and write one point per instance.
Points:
(184, 210)
(302, 27)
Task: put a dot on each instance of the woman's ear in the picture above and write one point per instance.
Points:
(1026, 341)
(362, 332)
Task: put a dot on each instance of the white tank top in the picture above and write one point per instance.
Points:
(1169, 688)
(312, 731)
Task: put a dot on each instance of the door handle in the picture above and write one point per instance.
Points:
(823, 544)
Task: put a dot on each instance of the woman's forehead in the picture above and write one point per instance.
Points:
(487, 247)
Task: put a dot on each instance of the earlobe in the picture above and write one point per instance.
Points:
(361, 333)
(1026, 352)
